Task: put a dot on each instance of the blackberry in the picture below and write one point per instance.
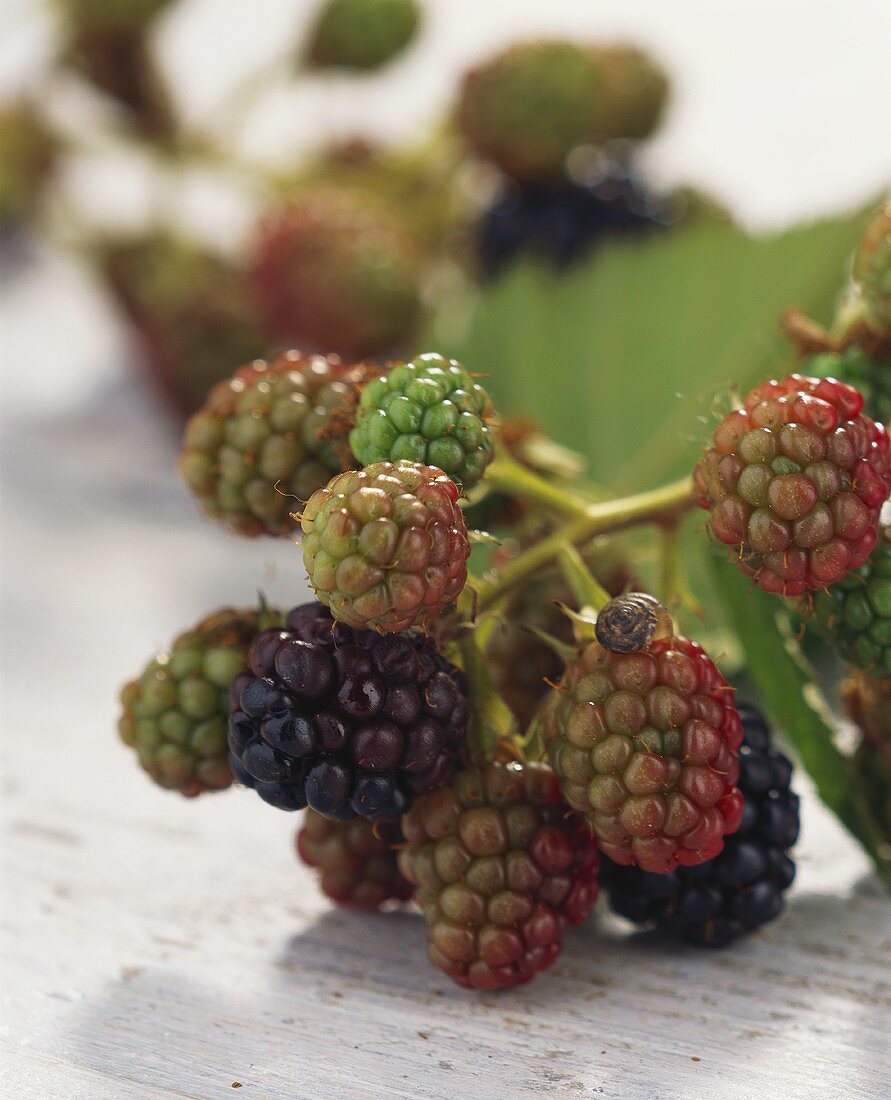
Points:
(189, 309)
(645, 743)
(334, 273)
(268, 438)
(742, 888)
(795, 481)
(502, 868)
(175, 715)
(855, 614)
(530, 106)
(357, 861)
(362, 34)
(869, 373)
(386, 547)
(563, 222)
(428, 411)
(346, 721)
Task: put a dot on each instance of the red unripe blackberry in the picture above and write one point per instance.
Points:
(268, 437)
(349, 722)
(502, 867)
(795, 481)
(645, 743)
(386, 547)
(357, 861)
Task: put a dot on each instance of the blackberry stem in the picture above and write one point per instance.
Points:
(584, 585)
(654, 506)
(491, 720)
(511, 477)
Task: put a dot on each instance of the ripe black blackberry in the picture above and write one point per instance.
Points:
(349, 722)
(562, 222)
(742, 888)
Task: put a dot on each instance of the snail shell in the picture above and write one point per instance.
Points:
(630, 623)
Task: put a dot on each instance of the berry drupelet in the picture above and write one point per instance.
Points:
(795, 481)
(348, 722)
(175, 715)
(855, 614)
(743, 887)
(428, 411)
(386, 547)
(502, 867)
(268, 438)
(644, 737)
(357, 861)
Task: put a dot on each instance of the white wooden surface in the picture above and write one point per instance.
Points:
(156, 948)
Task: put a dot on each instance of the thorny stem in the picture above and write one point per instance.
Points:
(653, 506)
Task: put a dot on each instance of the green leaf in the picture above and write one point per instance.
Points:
(794, 703)
(626, 357)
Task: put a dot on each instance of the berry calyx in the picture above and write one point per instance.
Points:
(795, 481)
(176, 714)
(742, 888)
(348, 722)
(502, 867)
(357, 861)
(268, 438)
(386, 547)
(428, 411)
(645, 744)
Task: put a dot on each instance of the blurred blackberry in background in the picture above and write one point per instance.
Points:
(562, 222)
(742, 888)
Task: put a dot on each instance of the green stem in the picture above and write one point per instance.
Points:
(491, 720)
(655, 505)
(519, 481)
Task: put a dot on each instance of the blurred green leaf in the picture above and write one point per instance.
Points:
(625, 357)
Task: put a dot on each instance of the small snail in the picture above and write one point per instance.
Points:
(630, 623)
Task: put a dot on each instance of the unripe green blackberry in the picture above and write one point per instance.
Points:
(428, 411)
(357, 860)
(502, 868)
(268, 438)
(176, 715)
(872, 270)
(386, 547)
(527, 108)
(867, 703)
(189, 308)
(644, 739)
(795, 481)
(855, 614)
(362, 34)
(333, 273)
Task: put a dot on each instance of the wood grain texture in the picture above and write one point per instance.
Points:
(158, 948)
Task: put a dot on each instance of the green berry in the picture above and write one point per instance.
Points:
(176, 714)
(428, 411)
(855, 614)
(362, 34)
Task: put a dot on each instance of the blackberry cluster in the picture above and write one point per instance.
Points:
(362, 35)
(855, 614)
(357, 861)
(386, 547)
(563, 222)
(502, 868)
(428, 411)
(348, 722)
(743, 887)
(268, 438)
(176, 714)
(795, 481)
(645, 743)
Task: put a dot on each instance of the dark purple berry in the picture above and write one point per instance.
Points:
(346, 721)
